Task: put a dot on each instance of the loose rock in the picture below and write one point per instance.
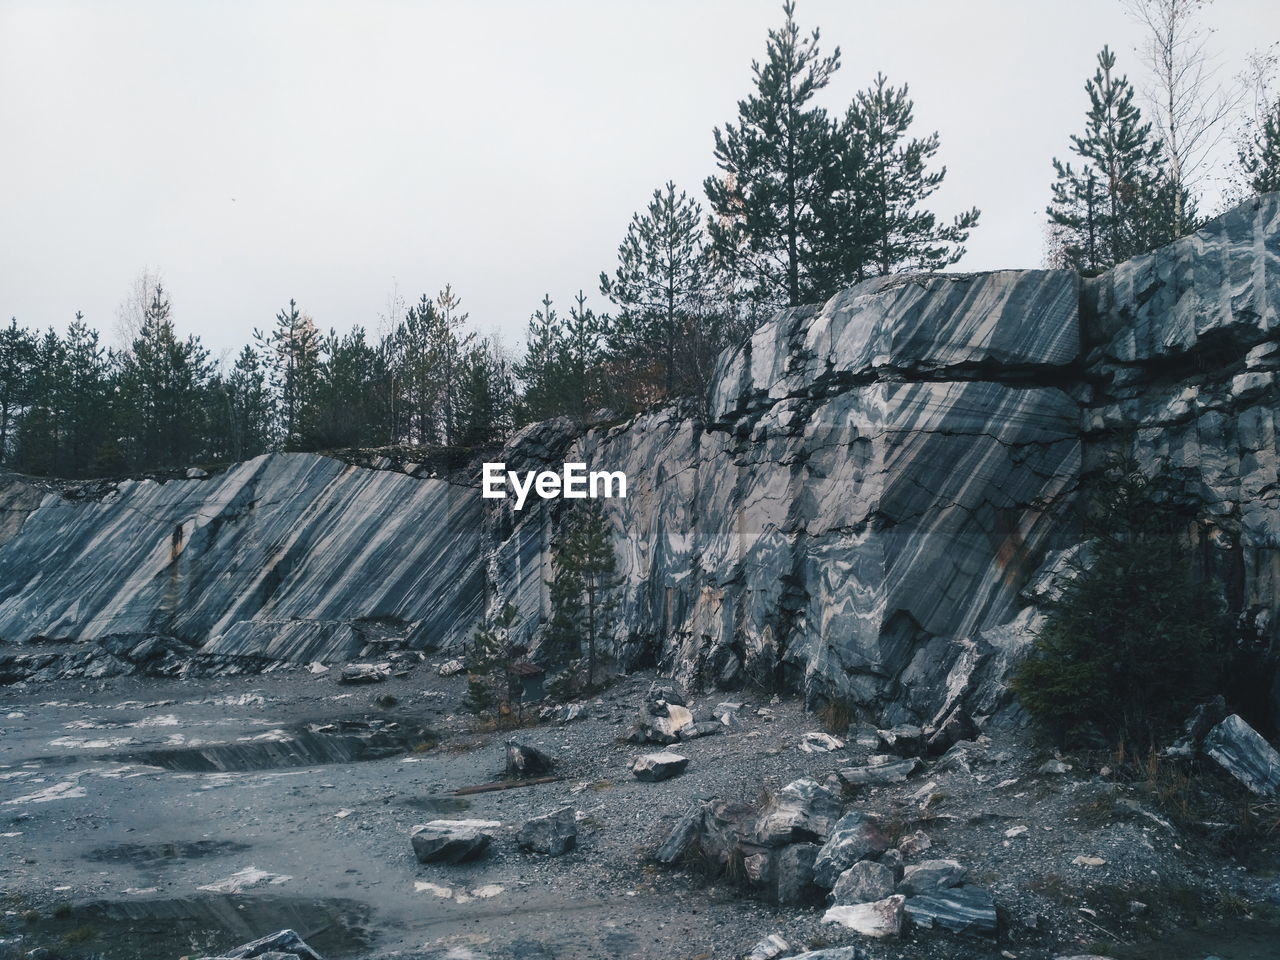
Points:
(653, 767)
(880, 919)
(553, 834)
(451, 841)
(864, 882)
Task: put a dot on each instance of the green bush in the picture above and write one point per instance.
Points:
(1136, 635)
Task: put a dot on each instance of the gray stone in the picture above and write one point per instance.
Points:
(966, 910)
(653, 767)
(892, 858)
(365, 673)
(905, 740)
(930, 875)
(802, 811)
(855, 837)
(554, 834)
(864, 882)
(883, 918)
(878, 774)
(451, 841)
(705, 728)
(832, 953)
(283, 943)
(770, 948)
(525, 761)
(793, 874)
(1242, 752)
(681, 838)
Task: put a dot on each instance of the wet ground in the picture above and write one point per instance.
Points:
(151, 820)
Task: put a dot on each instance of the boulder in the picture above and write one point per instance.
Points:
(883, 918)
(681, 838)
(817, 742)
(452, 841)
(1242, 752)
(728, 713)
(770, 948)
(801, 812)
(451, 668)
(914, 844)
(864, 882)
(905, 740)
(931, 875)
(793, 874)
(653, 767)
(703, 728)
(855, 837)
(553, 833)
(880, 773)
(892, 858)
(525, 761)
(285, 943)
(966, 910)
(365, 673)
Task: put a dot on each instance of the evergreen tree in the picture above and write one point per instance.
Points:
(1109, 209)
(86, 401)
(873, 222)
(542, 372)
(249, 417)
(583, 360)
(291, 356)
(1135, 636)
(586, 557)
(486, 398)
(777, 161)
(18, 351)
(163, 381)
(41, 429)
(1259, 154)
(658, 288)
(492, 683)
(451, 345)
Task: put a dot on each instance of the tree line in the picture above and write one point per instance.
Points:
(804, 202)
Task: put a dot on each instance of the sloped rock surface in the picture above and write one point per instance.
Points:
(860, 507)
(285, 557)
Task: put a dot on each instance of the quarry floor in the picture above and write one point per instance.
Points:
(293, 796)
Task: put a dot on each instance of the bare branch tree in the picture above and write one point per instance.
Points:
(133, 308)
(1187, 104)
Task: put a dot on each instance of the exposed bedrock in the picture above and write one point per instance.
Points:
(862, 506)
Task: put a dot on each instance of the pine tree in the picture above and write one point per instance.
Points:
(777, 161)
(1259, 154)
(163, 381)
(542, 372)
(86, 402)
(18, 351)
(1136, 634)
(873, 222)
(491, 680)
(42, 426)
(658, 288)
(486, 398)
(291, 356)
(250, 407)
(1109, 209)
(583, 358)
(586, 556)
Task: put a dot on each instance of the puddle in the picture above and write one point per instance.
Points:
(194, 926)
(301, 745)
(160, 854)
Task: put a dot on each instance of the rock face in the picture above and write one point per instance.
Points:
(861, 506)
(293, 557)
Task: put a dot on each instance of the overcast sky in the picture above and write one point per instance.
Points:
(337, 152)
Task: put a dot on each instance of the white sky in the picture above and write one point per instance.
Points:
(499, 145)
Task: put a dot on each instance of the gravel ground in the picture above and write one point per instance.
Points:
(109, 828)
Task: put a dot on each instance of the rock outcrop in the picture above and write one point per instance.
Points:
(861, 507)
